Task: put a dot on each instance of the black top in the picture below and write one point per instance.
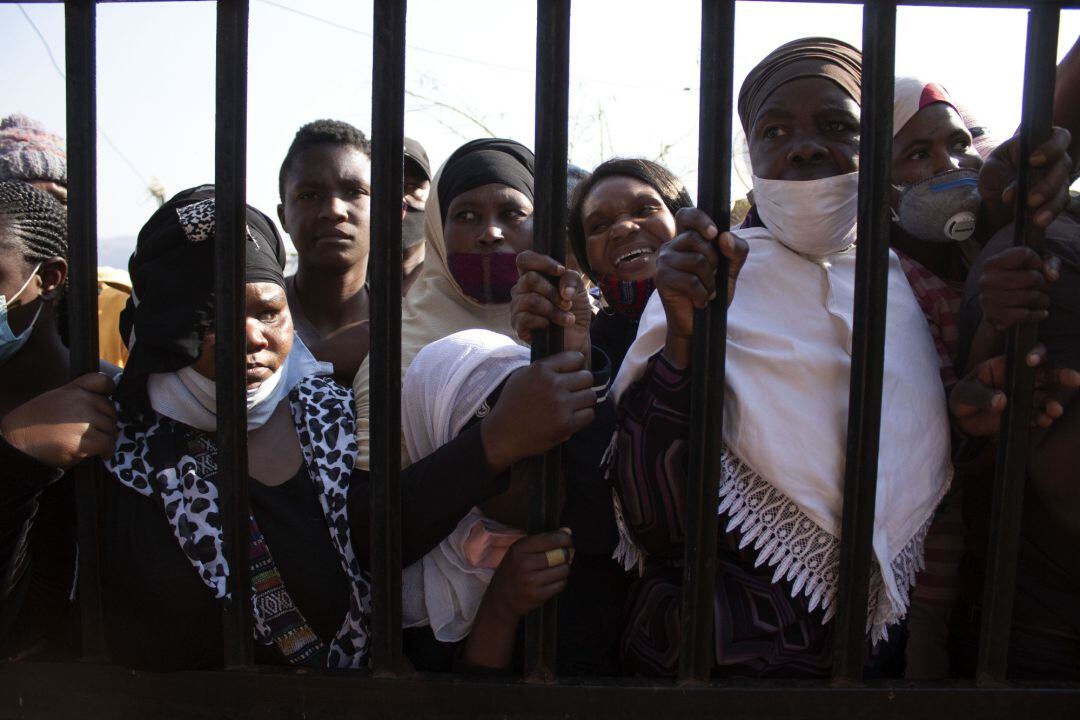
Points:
(159, 614)
(1048, 573)
(37, 556)
(613, 334)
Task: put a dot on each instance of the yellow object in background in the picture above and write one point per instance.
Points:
(114, 289)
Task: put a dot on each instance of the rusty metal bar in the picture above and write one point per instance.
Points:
(1012, 450)
(80, 33)
(709, 347)
(230, 156)
(387, 173)
(549, 223)
(868, 338)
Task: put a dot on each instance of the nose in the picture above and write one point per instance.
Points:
(335, 209)
(807, 149)
(255, 339)
(623, 226)
(492, 237)
(943, 161)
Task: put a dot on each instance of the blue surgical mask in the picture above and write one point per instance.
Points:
(9, 341)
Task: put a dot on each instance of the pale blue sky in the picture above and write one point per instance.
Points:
(634, 68)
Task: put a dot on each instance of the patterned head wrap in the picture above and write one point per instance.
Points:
(172, 275)
(809, 57)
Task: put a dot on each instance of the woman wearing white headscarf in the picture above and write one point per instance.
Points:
(788, 368)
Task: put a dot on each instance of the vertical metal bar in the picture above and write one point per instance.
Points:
(1011, 468)
(387, 173)
(230, 155)
(709, 346)
(549, 223)
(868, 342)
(80, 27)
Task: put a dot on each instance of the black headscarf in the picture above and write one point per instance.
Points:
(483, 162)
(808, 57)
(172, 275)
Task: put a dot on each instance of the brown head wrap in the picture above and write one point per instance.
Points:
(808, 57)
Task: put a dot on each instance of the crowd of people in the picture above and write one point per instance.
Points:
(641, 259)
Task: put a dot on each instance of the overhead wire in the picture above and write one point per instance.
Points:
(63, 75)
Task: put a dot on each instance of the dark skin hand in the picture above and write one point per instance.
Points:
(1015, 287)
(978, 400)
(541, 406)
(686, 276)
(524, 581)
(62, 427)
(1046, 198)
(536, 303)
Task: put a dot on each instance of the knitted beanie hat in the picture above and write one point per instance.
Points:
(28, 152)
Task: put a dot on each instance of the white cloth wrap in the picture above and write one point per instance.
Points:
(187, 397)
(785, 415)
(445, 386)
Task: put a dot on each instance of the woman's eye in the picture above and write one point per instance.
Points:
(306, 195)
(647, 210)
(773, 131)
(835, 126)
(465, 216)
(918, 155)
(598, 228)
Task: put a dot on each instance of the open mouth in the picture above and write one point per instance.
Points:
(637, 254)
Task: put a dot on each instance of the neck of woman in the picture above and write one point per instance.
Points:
(330, 302)
(42, 364)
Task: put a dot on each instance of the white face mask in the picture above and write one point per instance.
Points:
(810, 217)
(191, 398)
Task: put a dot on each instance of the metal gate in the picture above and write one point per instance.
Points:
(92, 688)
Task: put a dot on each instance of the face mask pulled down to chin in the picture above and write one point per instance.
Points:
(941, 208)
(811, 217)
(485, 277)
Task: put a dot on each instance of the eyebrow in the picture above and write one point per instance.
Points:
(638, 197)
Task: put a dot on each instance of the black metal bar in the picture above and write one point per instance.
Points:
(868, 341)
(387, 173)
(1012, 450)
(30, 691)
(709, 347)
(911, 3)
(549, 223)
(80, 31)
(230, 155)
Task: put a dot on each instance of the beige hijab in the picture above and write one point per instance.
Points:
(434, 308)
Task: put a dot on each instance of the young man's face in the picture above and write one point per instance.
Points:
(326, 207)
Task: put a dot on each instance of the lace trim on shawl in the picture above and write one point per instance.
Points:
(805, 555)
(785, 538)
(627, 553)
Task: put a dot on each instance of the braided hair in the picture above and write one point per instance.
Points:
(36, 225)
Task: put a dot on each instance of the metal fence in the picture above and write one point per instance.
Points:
(94, 689)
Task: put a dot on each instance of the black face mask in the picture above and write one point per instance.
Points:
(412, 228)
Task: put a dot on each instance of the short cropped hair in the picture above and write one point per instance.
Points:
(321, 132)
